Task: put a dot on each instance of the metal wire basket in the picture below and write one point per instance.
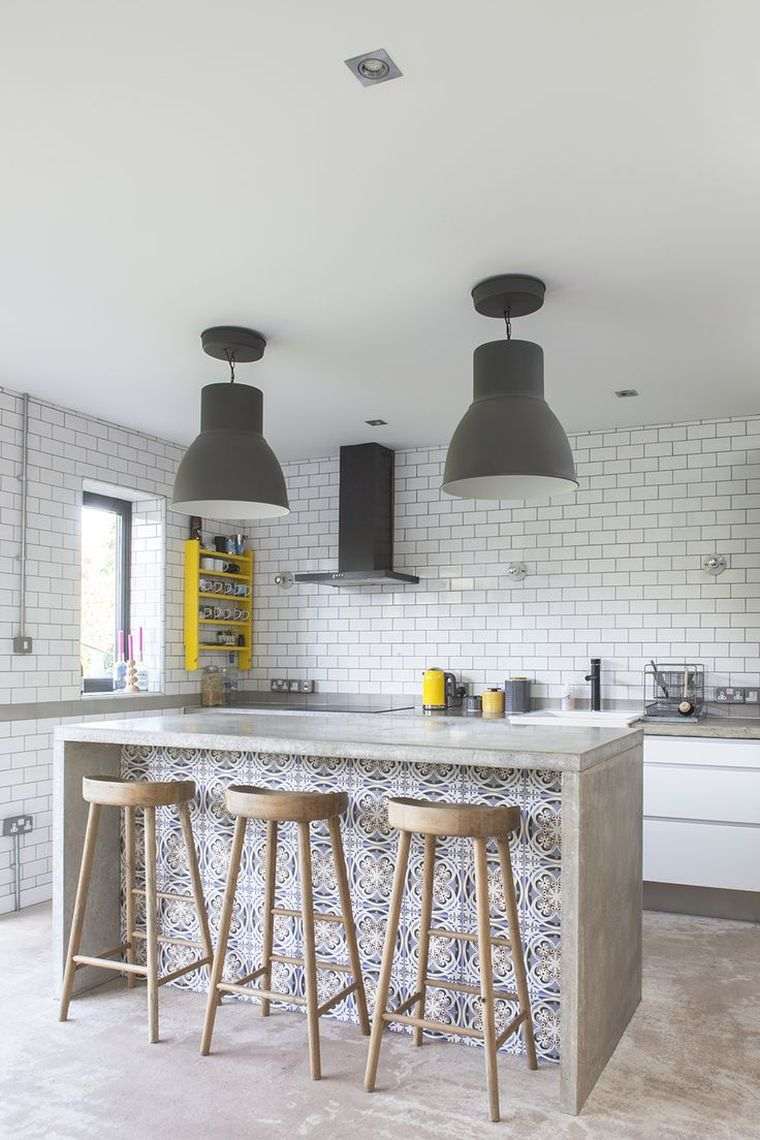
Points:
(674, 691)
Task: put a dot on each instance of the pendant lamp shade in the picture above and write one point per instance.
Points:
(509, 445)
(230, 471)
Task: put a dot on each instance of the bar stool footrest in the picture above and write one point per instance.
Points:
(251, 977)
(405, 1005)
(290, 960)
(510, 1029)
(265, 995)
(172, 895)
(337, 997)
(287, 912)
(106, 964)
(167, 941)
(434, 1026)
(182, 970)
(466, 988)
(463, 937)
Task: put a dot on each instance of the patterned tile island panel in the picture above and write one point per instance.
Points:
(370, 848)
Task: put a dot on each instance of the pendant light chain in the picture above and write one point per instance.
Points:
(231, 361)
(508, 322)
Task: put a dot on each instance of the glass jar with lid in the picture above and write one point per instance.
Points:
(212, 688)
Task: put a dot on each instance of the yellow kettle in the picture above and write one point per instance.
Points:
(434, 689)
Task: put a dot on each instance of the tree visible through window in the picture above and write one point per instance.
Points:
(106, 525)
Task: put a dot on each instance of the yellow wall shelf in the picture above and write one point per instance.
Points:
(198, 628)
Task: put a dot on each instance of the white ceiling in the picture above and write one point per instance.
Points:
(171, 165)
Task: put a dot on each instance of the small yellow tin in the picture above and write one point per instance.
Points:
(492, 702)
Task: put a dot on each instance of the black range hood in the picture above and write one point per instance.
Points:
(365, 520)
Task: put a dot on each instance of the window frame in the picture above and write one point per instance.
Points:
(122, 508)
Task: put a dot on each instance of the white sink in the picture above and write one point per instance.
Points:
(582, 718)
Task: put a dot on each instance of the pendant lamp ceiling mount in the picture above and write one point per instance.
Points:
(514, 294)
(233, 344)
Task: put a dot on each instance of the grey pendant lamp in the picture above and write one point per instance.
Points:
(230, 471)
(509, 445)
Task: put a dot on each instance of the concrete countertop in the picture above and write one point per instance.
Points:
(722, 727)
(405, 738)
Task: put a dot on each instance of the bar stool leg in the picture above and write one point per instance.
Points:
(341, 876)
(309, 950)
(425, 921)
(486, 975)
(195, 879)
(270, 875)
(384, 982)
(80, 906)
(151, 922)
(129, 876)
(518, 952)
(224, 933)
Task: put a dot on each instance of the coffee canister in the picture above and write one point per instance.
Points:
(471, 706)
(517, 694)
(492, 702)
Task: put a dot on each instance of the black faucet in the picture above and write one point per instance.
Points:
(596, 687)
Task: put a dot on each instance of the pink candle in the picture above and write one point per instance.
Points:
(141, 642)
(121, 645)
(131, 648)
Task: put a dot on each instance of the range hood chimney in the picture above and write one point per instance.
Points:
(365, 521)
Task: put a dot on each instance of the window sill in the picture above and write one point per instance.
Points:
(80, 706)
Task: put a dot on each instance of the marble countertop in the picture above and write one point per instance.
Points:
(442, 740)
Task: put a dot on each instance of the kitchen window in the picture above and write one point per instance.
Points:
(106, 556)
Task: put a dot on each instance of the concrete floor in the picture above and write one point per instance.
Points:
(688, 1066)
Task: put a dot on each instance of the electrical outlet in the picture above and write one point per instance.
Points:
(18, 825)
(22, 644)
(294, 686)
(279, 685)
(307, 686)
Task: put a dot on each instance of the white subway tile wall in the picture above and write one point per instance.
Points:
(65, 450)
(26, 756)
(614, 571)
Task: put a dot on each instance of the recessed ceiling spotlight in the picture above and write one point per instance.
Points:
(376, 423)
(373, 67)
(626, 393)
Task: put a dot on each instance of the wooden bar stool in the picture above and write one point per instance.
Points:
(104, 791)
(479, 823)
(301, 808)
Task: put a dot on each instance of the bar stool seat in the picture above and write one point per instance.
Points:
(129, 796)
(109, 792)
(284, 807)
(478, 822)
(302, 808)
(468, 821)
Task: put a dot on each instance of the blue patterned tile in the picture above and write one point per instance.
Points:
(370, 848)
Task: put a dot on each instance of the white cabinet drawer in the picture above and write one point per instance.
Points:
(702, 854)
(700, 751)
(726, 795)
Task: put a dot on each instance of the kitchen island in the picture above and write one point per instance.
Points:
(577, 859)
